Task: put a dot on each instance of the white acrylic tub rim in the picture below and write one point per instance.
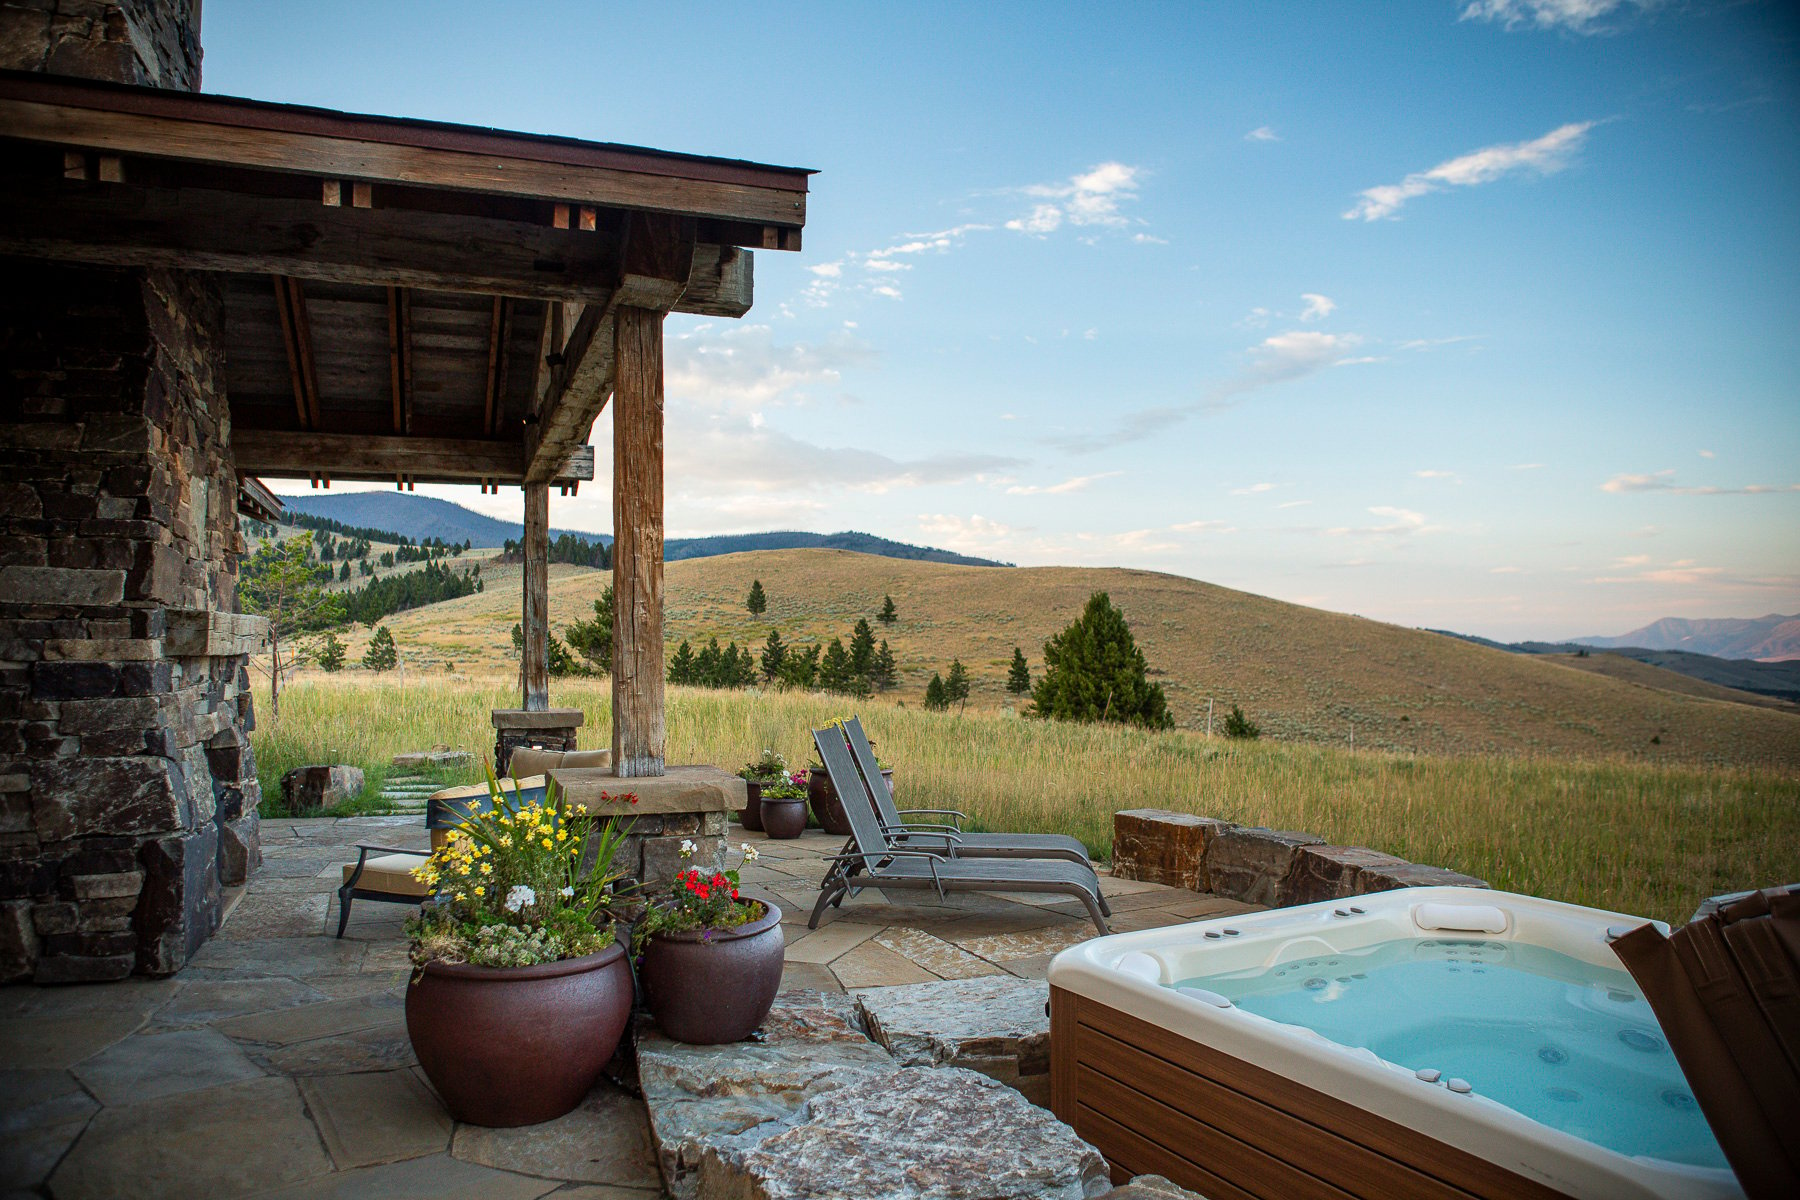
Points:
(1470, 1122)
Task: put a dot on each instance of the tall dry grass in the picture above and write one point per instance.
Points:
(1641, 839)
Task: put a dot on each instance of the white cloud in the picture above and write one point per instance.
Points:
(1090, 198)
(1707, 454)
(1506, 571)
(1295, 354)
(1253, 489)
(1079, 483)
(1293, 504)
(830, 270)
(1202, 527)
(1262, 133)
(1317, 306)
(974, 534)
(1149, 239)
(1545, 155)
(1527, 467)
(742, 369)
(1576, 16)
(1430, 473)
(1664, 481)
(1398, 522)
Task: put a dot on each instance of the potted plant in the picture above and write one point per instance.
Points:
(710, 962)
(520, 990)
(783, 807)
(770, 768)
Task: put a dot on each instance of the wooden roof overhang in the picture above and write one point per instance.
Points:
(403, 300)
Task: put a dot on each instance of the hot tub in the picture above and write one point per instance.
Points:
(1420, 1042)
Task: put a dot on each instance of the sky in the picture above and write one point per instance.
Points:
(1466, 314)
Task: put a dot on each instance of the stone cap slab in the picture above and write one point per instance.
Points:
(961, 1019)
(697, 789)
(544, 718)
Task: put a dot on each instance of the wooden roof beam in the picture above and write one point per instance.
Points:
(423, 460)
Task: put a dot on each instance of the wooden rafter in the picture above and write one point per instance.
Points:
(493, 368)
(394, 385)
(284, 316)
(309, 375)
(406, 361)
(415, 459)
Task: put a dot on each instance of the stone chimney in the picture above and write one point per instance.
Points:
(150, 42)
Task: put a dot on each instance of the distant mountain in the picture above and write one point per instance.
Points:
(1778, 679)
(421, 517)
(1770, 638)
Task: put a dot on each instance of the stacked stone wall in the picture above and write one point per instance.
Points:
(127, 785)
(154, 42)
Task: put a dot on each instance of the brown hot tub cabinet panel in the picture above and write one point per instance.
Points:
(1154, 1102)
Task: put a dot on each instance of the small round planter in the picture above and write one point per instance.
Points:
(784, 819)
(509, 1046)
(750, 816)
(715, 986)
(827, 806)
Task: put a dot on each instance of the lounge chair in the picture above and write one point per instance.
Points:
(948, 837)
(387, 878)
(876, 861)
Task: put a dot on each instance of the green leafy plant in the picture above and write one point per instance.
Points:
(769, 767)
(698, 900)
(526, 882)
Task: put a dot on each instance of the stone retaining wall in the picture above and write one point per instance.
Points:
(1276, 867)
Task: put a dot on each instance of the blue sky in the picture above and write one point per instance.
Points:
(1467, 315)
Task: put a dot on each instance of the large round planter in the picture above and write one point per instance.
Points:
(751, 814)
(511, 1046)
(709, 987)
(827, 806)
(784, 819)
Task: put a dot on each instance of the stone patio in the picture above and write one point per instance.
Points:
(290, 1045)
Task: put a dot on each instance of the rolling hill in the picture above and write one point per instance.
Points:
(1768, 638)
(1302, 673)
(422, 517)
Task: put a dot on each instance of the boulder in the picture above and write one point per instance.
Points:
(1386, 879)
(1330, 872)
(1151, 1187)
(917, 1133)
(1156, 845)
(995, 1024)
(310, 789)
(1252, 864)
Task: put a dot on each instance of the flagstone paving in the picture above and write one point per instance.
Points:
(297, 1040)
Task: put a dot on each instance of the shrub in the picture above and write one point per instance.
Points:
(1093, 671)
(1237, 725)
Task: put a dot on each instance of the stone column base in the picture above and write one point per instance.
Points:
(544, 729)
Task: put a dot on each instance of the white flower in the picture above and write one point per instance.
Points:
(750, 854)
(518, 897)
(566, 893)
(688, 849)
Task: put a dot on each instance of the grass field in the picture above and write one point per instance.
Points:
(1304, 674)
(1640, 838)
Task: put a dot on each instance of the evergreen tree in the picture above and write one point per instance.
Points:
(884, 673)
(382, 654)
(834, 668)
(862, 651)
(801, 667)
(706, 663)
(774, 655)
(280, 582)
(757, 601)
(681, 667)
(561, 662)
(1018, 677)
(1093, 671)
(889, 614)
(593, 639)
(1237, 725)
(518, 640)
(934, 694)
(344, 572)
(956, 684)
(330, 655)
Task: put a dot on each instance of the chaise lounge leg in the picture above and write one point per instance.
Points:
(1099, 895)
(343, 908)
(1094, 905)
(827, 894)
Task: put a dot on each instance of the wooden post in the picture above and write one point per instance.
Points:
(534, 659)
(638, 731)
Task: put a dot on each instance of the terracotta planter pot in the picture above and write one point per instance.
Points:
(750, 816)
(826, 805)
(511, 1046)
(783, 819)
(713, 987)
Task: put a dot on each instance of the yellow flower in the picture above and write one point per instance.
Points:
(480, 891)
(487, 868)
(460, 896)
(548, 844)
(562, 835)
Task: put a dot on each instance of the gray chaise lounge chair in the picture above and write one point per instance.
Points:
(876, 861)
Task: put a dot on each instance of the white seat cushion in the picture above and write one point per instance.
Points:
(390, 873)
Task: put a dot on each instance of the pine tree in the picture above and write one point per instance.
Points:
(934, 694)
(1018, 677)
(774, 654)
(956, 684)
(1093, 671)
(862, 651)
(560, 661)
(518, 640)
(801, 667)
(889, 614)
(834, 668)
(707, 662)
(344, 572)
(330, 655)
(757, 601)
(593, 639)
(1237, 725)
(382, 654)
(681, 667)
(884, 672)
